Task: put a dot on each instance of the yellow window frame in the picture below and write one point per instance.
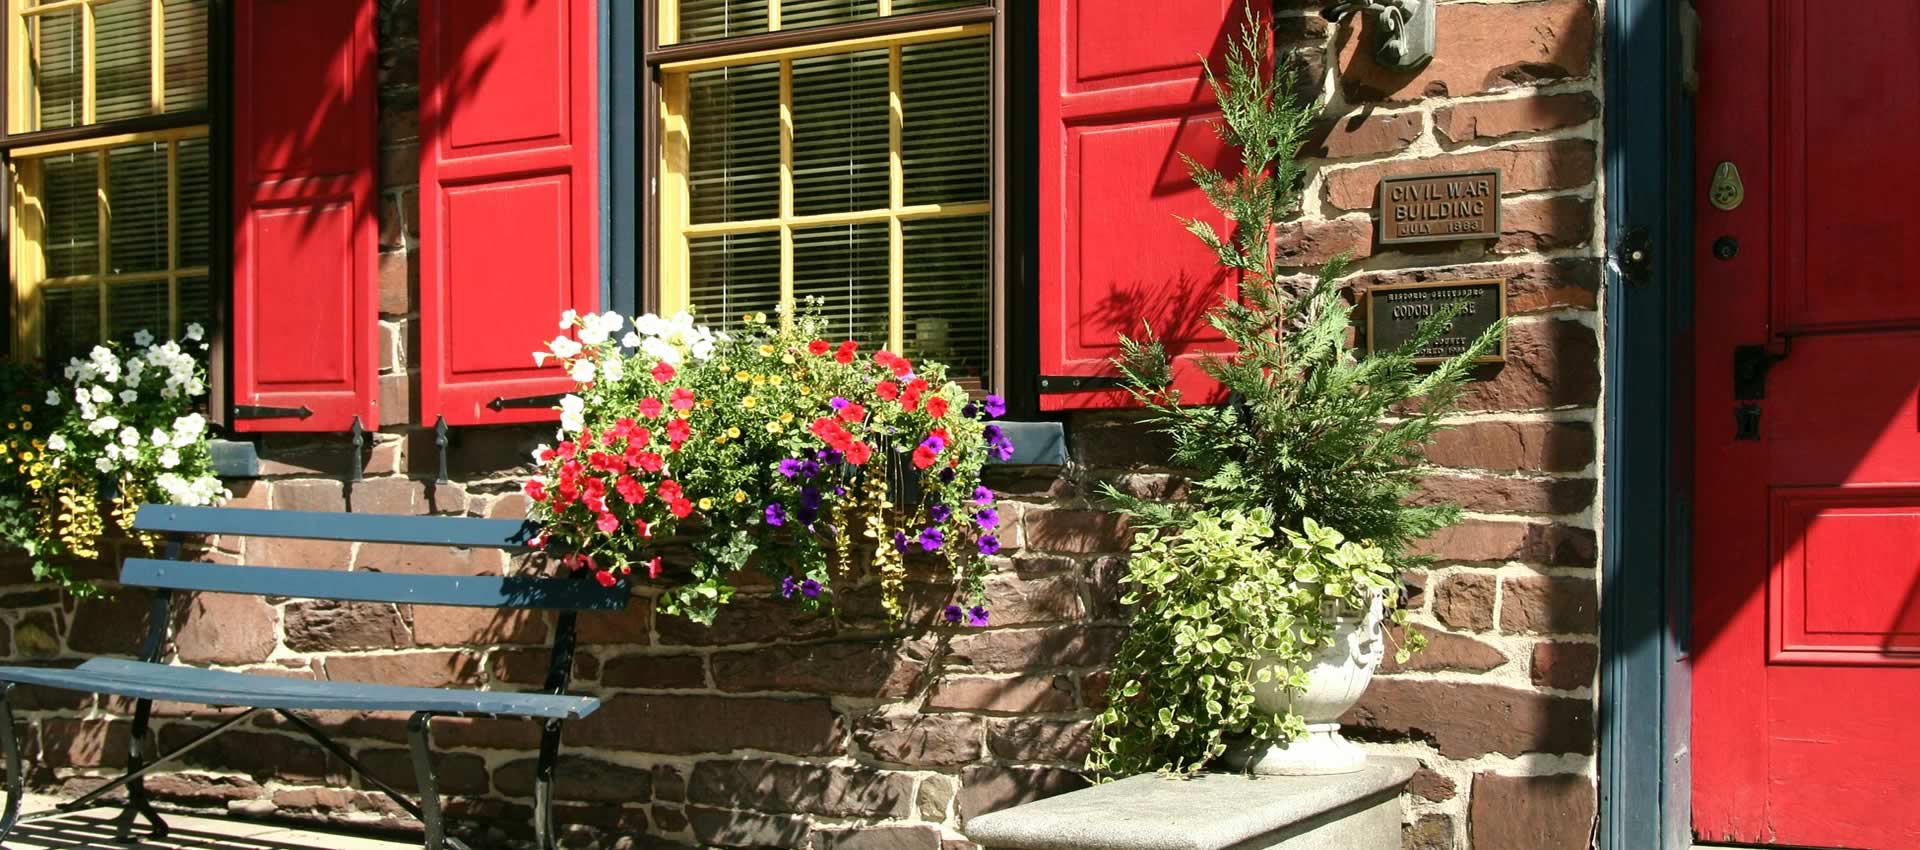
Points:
(22, 101)
(677, 230)
(27, 250)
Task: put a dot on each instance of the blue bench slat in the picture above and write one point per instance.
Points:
(402, 588)
(326, 525)
(141, 680)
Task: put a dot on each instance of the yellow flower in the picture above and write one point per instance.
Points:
(774, 428)
(733, 433)
(743, 376)
(739, 496)
(706, 504)
(749, 401)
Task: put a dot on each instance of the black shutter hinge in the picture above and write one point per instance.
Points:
(1632, 257)
(1080, 383)
(262, 411)
(529, 401)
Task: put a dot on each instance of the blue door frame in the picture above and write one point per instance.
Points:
(1646, 607)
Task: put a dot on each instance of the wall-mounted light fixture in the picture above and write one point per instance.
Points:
(1406, 27)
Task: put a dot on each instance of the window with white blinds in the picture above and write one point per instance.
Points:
(854, 174)
(111, 230)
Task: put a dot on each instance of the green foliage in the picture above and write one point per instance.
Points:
(1221, 606)
(1314, 437)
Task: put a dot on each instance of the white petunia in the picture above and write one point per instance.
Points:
(57, 443)
(53, 398)
(129, 437)
(169, 458)
(142, 338)
(103, 464)
(581, 371)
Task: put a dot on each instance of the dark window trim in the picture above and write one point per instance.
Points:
(1011, 329)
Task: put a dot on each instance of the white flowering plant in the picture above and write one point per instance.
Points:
(125, 430)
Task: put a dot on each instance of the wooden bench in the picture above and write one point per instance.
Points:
(148, 679)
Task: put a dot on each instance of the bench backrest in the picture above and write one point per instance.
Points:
(359, 586)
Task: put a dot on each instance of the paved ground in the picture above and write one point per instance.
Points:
(95, 829)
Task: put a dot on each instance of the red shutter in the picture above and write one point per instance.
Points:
(305, 229)
(508, 225)
(1119, 103)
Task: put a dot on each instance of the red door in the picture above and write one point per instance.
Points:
(1806, 686)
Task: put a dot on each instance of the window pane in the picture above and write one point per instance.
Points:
(133, 307)
(123, 59)
(196, 307)
(734, 159)
(840, 133)
(68, 192)
(705, 20)
(186, 43)
(845, 267)
(800, 14)
(72, 325)
(54, 54)
(945, 287)
(947, 122)
(137, 208)
(732, 275)
(195, 200)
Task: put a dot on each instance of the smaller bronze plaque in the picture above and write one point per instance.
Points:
(1395, 311)
(1439, 207)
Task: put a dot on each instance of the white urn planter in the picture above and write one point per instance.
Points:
(1336, 678)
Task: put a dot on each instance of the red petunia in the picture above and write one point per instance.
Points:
(650, 408)
(818, 347)
(853, 412)
(845, 353)
(535, 490)
(887, 390)
(936, 407)
(859, 453)
(681, 507)
(682, 399)
(923, 457)
(663, 371)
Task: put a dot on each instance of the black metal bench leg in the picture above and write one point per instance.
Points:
(11, 814)
(137, 803)
(543, 825)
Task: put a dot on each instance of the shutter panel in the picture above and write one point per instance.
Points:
(1119, 103)
(508, 224)
(305, 229)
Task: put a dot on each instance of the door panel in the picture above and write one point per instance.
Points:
(1807, 529)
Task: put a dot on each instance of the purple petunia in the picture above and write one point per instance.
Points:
(954, 613)
(989, 544)
(939, 513)
(930, 540)
(790, 467)
(809, 588)
(788, 586)
(776, 514)
(982, 496)
(977, 617)
(986, 517)
(837, 403)
(996, 406)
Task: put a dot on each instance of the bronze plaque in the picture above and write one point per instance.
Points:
(1439, 207)
(1395, 311)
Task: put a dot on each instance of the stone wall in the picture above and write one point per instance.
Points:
(775, 728)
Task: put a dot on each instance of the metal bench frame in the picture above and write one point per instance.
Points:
(566, 598)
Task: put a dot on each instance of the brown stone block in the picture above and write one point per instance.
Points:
(992, 788)
(224, 628)
(1365, 133)
(771, 786)
(920, 740)
(1467, 121)
(687, 723)
(1515, 446)
(1549, 364)
(1028, 739)
(1492, 494)
(1565, 666)
(1019, 695)
(322, 625)
(1028, 649)
(655, 672)
(581, 778)
(1544, 224)
(1465, 601)
(1444, 651)
(1525, 167)
(1549, 605)
(409, 669)
(1482, 48)
(887, 669)
(1465, 721)
(1531, 812)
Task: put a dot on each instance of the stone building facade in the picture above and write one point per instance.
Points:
(776, 728)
